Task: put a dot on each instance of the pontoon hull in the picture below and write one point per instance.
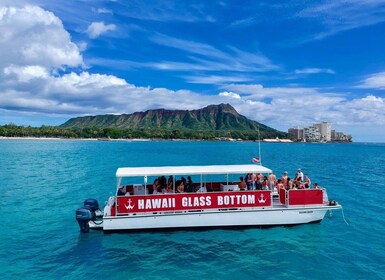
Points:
(217, 219)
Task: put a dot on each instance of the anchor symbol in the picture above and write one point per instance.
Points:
(262, 199)
(129, 206)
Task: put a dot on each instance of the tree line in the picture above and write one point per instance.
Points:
(12, 130)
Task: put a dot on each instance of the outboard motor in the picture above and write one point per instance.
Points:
(92, 204)
(87, 213)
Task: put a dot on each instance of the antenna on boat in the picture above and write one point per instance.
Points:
(259, 147)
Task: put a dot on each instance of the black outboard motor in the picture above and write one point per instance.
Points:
(86, 214)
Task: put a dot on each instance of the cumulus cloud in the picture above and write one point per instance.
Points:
(96, 29)
(26, 73)
(230, 94)
(33, 36)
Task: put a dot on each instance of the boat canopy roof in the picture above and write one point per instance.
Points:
(190, 170)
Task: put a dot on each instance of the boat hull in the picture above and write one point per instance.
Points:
(217, 219)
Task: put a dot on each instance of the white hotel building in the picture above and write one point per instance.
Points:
(318, 132)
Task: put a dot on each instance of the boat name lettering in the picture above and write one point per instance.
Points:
(196, 201)
(172, 202)
(236, 199)
(156, 203)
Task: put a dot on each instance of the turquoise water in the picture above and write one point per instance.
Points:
(44, 182)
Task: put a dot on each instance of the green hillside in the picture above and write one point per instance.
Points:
(217, 120)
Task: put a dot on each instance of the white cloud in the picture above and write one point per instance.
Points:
(209, 58)
(215, 79)
(338, 15)
(35, 46)
(375, 81)
(314, 71)
(104, 11)
(26, 73)
(230, 94)
(33, 36)
(96, 29)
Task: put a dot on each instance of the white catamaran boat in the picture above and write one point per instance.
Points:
(215, 201)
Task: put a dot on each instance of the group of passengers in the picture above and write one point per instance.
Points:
(251, 181)
(163, 186)
(270, 182)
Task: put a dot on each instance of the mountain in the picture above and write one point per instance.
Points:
(222, 117)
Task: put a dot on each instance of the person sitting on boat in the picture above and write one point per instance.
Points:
(156, 187)
(289, 184)
(180, 186)
(242, 184)
(121, 191)
(189, 185)
(298, 183)
(163, 182)
(280, 185)
(316, 186)
(307, 180)
(168, 189)
(170, 181)
(265, 183)
(284, 178)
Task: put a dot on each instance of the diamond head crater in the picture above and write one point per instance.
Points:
(209, 123)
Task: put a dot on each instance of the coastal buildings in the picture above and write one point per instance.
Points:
(318, 132)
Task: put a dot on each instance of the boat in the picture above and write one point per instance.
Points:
(215, 201)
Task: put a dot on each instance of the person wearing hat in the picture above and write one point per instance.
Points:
(299, 174)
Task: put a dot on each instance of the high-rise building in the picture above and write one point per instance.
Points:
(325, 130)
(319, 132)
(296, 133)
(312, 133)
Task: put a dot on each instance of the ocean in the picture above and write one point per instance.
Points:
(43, 182)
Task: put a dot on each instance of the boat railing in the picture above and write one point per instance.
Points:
(302, 197)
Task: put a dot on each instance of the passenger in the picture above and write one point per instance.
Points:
(298, 183)
(316, 186)
(168, 189)
(299, 174)
(242, 184)
(189, 185)
(280, 185)
(170, 180)
(289, 184)
(180, 186)
(258, 184)
(307, 180)
(154, 187)
(307, 186)
(272, 181)
(284, 178)
(265, 183)
(162, 184)
(253, 178)
(121, 191)
(249, 181)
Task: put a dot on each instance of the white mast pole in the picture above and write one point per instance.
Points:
(259, 147)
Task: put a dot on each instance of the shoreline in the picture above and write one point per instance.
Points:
(279, 141)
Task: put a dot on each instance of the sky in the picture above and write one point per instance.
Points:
(282, 63)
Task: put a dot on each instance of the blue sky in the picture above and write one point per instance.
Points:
(280, 63)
